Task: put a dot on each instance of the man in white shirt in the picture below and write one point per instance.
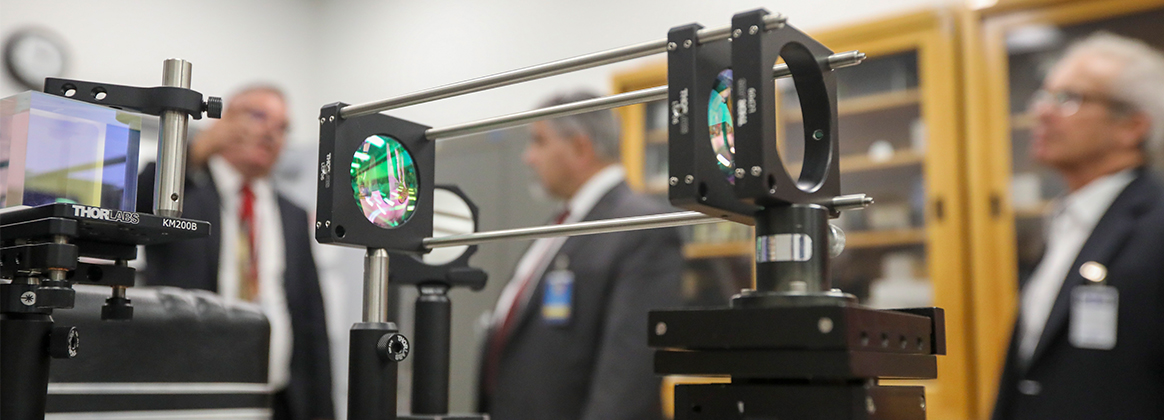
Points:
(1089, 339)
(568, 338)
(259, 249)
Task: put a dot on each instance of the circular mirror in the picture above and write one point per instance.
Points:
(451, 216)
(719, 124)
(384, 181)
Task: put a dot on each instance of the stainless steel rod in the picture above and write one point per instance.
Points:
(538, 71)
(170, 175)
(835, 61)
(376, 285)
(526, 117)
(574, 229)
(838, 60)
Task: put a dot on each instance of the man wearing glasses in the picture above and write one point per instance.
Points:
(1089, 339)
(259, 248)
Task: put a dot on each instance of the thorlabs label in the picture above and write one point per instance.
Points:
(108, 215)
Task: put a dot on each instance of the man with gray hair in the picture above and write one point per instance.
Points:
(1089, 339)
(568, 335)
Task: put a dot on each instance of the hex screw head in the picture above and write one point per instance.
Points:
(28, 298)
(670, 46)
(754, 29)
(687, 44)
(756, 171)
(737, 33)
(739, 172)
(689, 179)
(673, 181)
(661, 328)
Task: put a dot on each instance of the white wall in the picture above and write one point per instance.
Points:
(357, 51)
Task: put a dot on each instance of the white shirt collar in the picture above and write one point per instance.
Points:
(1086, 206)
(593, 190)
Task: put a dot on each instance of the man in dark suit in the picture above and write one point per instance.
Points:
(1089, 341)
(568, 336)
(259, 250)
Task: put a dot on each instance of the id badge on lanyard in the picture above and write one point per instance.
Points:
(1094, 310)
(558, 297)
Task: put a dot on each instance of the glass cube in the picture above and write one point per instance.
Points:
(58, 150)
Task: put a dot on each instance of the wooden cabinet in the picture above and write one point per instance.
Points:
(901, 144)
(1008, 48)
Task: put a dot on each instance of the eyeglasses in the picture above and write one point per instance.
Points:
(1067, 103)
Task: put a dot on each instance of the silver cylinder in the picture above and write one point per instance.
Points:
(171, 170)
(540, 71)
(835, 61)
(376, 285)
(653, 221)
(573, 108)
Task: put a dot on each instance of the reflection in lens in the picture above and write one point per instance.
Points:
(384, 181)
(719, 124)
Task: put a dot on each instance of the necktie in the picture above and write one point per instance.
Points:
(248, 269)
(497, 338)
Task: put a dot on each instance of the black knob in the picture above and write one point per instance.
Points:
(393, 347)
(55, 295)
(117, 309)
(64, 342)
(213, 107)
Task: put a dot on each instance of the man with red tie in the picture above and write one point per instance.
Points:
(568, 337)
(259, 250)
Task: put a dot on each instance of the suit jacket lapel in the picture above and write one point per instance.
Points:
(1104, 244)
(601, 210)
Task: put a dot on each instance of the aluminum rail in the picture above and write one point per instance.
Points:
(773, 21)
(573, 108)
(171, 169)
(834, 61)
(653, 221)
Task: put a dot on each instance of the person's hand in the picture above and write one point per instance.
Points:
(232, 130)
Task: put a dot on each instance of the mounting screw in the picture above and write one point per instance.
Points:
(687, 44)
(322, 120)
(737, 33)
(670, 46)
(739, 172)
(923, 403)
(825, 325)
(754, 29)
(331, 118)
(28, 298)
(318, 224)
(689, 179)
(327, 223)
(674, 181)
(740, 406)
(756, 171)
(818, 135)
(174, 197)
(869, 406)
(661, 328)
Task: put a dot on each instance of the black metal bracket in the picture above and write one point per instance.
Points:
(765, 179)
(152, 100)
(339, 218)
(702, 173)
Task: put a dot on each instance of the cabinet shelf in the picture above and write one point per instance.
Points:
(870, 103)
(854, 240)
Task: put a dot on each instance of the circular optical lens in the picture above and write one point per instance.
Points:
(384, 181)
(719, 124)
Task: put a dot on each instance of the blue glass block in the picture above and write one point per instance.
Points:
(58, 150)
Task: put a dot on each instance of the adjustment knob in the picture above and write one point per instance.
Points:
(393, 347)
(117, 309)
(213, 107)
(55, 295)
(64, 342)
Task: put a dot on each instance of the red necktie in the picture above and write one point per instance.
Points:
(497, 339)
(247, 257)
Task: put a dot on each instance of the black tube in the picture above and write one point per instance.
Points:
(24, 365)
(371, 374)
(430, 368)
